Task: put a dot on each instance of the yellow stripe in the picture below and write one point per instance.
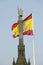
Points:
(16, 30)
(28, 25)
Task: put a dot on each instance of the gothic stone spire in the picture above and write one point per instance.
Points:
(21, 60)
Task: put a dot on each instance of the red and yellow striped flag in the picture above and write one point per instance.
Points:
(27, 27)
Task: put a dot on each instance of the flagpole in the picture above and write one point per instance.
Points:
(33, 52)
(33, 43)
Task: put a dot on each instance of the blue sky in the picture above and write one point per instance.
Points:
(8, 16)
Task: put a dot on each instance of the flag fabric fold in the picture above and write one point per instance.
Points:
(27, 27)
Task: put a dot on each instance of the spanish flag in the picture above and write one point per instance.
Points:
(27, 27)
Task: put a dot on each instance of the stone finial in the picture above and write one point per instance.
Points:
(13, 61)
(20, 12)
(29, 62)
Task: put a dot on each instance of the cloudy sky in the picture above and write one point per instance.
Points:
(8, 16)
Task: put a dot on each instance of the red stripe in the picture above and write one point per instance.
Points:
(14, 36)
(14, 25)
(29, 32)
(28, 17)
